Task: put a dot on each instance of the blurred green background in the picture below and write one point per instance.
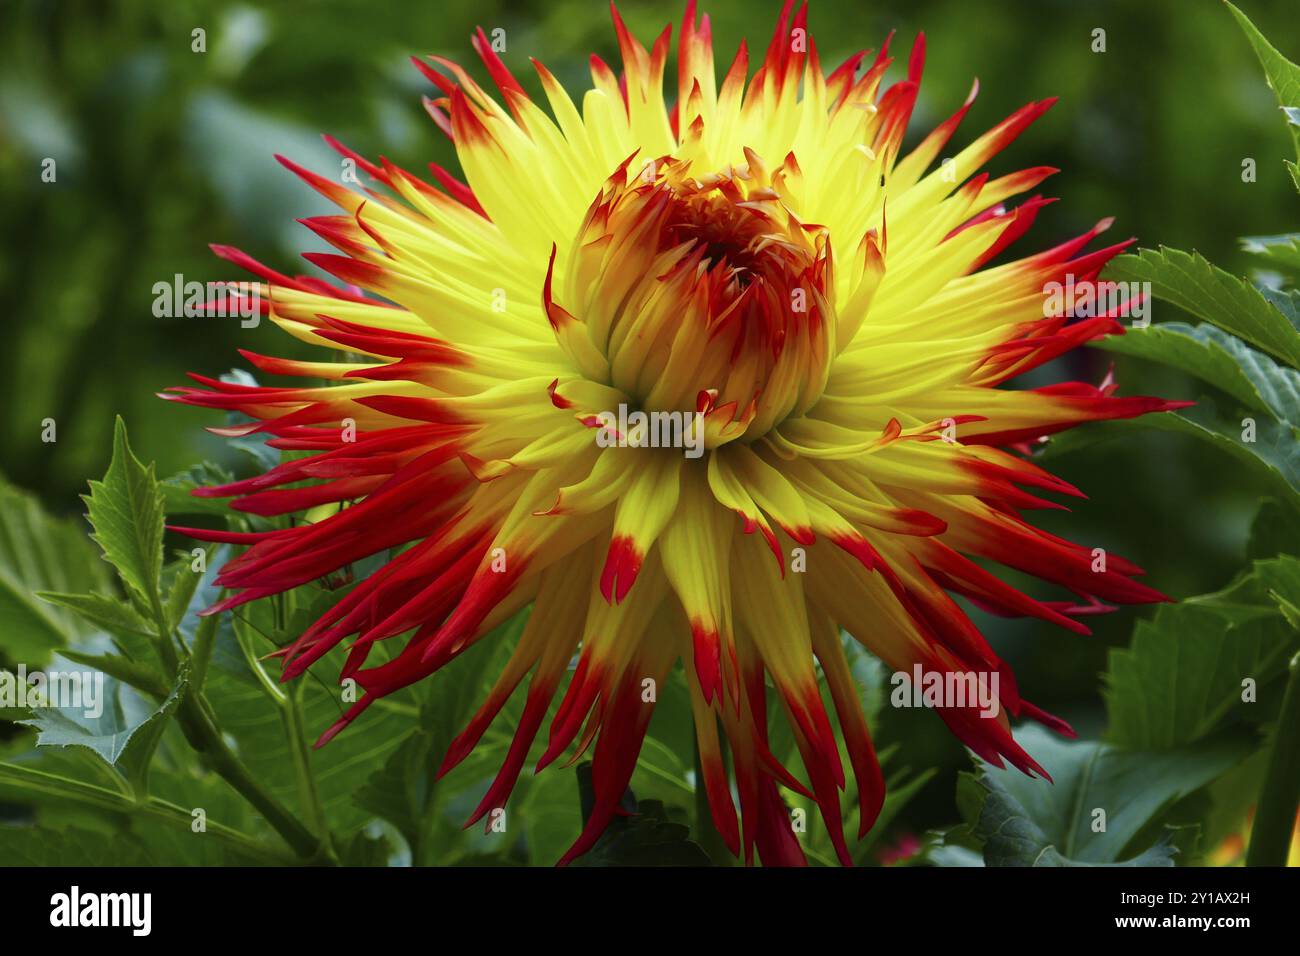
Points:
(161, 150)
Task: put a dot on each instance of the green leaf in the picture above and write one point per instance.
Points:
(107, 613)
(1222, 360)
(899, 792)
(146, 677)
(126, 511)
(550, 816)
(222, 810)
(206, 593)
(38, 552)
(1232, 798)
(180, 593)
(1027, 821)
(1181, 679)
(950, 847)
(1283, 75)
(263, 456)
(1275, 530)
(1274, 455)
(1012, 838)
(1290, 610)
(1275, 582)
(1252, 587)
(170, 835)
(364, 848)
(71, 847)
(139, 751)
(137, 661)
(22, 784)
(205, 637)
(403, 790)
(870, 674)
(646, 837)
(178, 497)
(399, 791)
(119, 726)
(1281, 252)
(1286, 301)
(1190, 282)
(254, 720)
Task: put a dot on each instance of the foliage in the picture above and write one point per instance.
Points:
(201, 757)
(1199, 687)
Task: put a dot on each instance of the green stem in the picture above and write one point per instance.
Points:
(1270, 837)
(17, 779)
(204, 736)
(425, 829)
(201, 655)
(295, 728)
(296, 731)
(269, 685)
(178, 816)
(165, 645)
(197, 720)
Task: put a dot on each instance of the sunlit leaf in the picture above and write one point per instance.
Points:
(126, 511)
(1208, 292)
(1220, 359)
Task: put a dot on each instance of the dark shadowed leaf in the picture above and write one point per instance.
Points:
(645, 837)
(72, 847)
(1026, 821)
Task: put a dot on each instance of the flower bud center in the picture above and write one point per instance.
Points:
(706, 294)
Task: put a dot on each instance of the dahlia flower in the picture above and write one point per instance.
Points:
(758, 257)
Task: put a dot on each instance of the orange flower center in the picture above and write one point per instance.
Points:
(706, 292)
